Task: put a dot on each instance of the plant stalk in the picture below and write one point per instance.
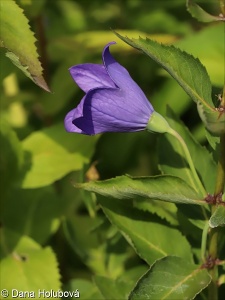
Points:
(220, 180)
(196, 181)
(213, 236)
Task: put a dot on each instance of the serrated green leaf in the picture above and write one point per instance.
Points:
(173, 161)
(27, 259)
(150, 240)
(166, 188)
(19, 40)
(200, 14)
(187, 70)
(171, 278)
(218, 217)
(189, 73)
(32, 8)
(15, 60)
(164, 210)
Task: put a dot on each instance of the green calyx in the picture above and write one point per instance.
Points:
(157, 123)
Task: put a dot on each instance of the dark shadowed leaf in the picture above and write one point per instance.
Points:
(11, 157)
(29, 207)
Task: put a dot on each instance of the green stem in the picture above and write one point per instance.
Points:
(220, 180)
(204, 241)
(213, 237)
(213, 288)
(195, 179)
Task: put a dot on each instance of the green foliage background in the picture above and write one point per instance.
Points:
(52, 235)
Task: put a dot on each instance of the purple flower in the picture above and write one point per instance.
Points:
(113, 101)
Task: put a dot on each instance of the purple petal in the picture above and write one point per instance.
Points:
(109, 110)
(73, 114)
(90, 76)
(122, 79)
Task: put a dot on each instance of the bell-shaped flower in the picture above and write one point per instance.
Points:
(113, 102)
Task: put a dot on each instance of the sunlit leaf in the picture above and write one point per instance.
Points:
(27, 259)
(53, 153)
(18, 39)
(48, 161)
